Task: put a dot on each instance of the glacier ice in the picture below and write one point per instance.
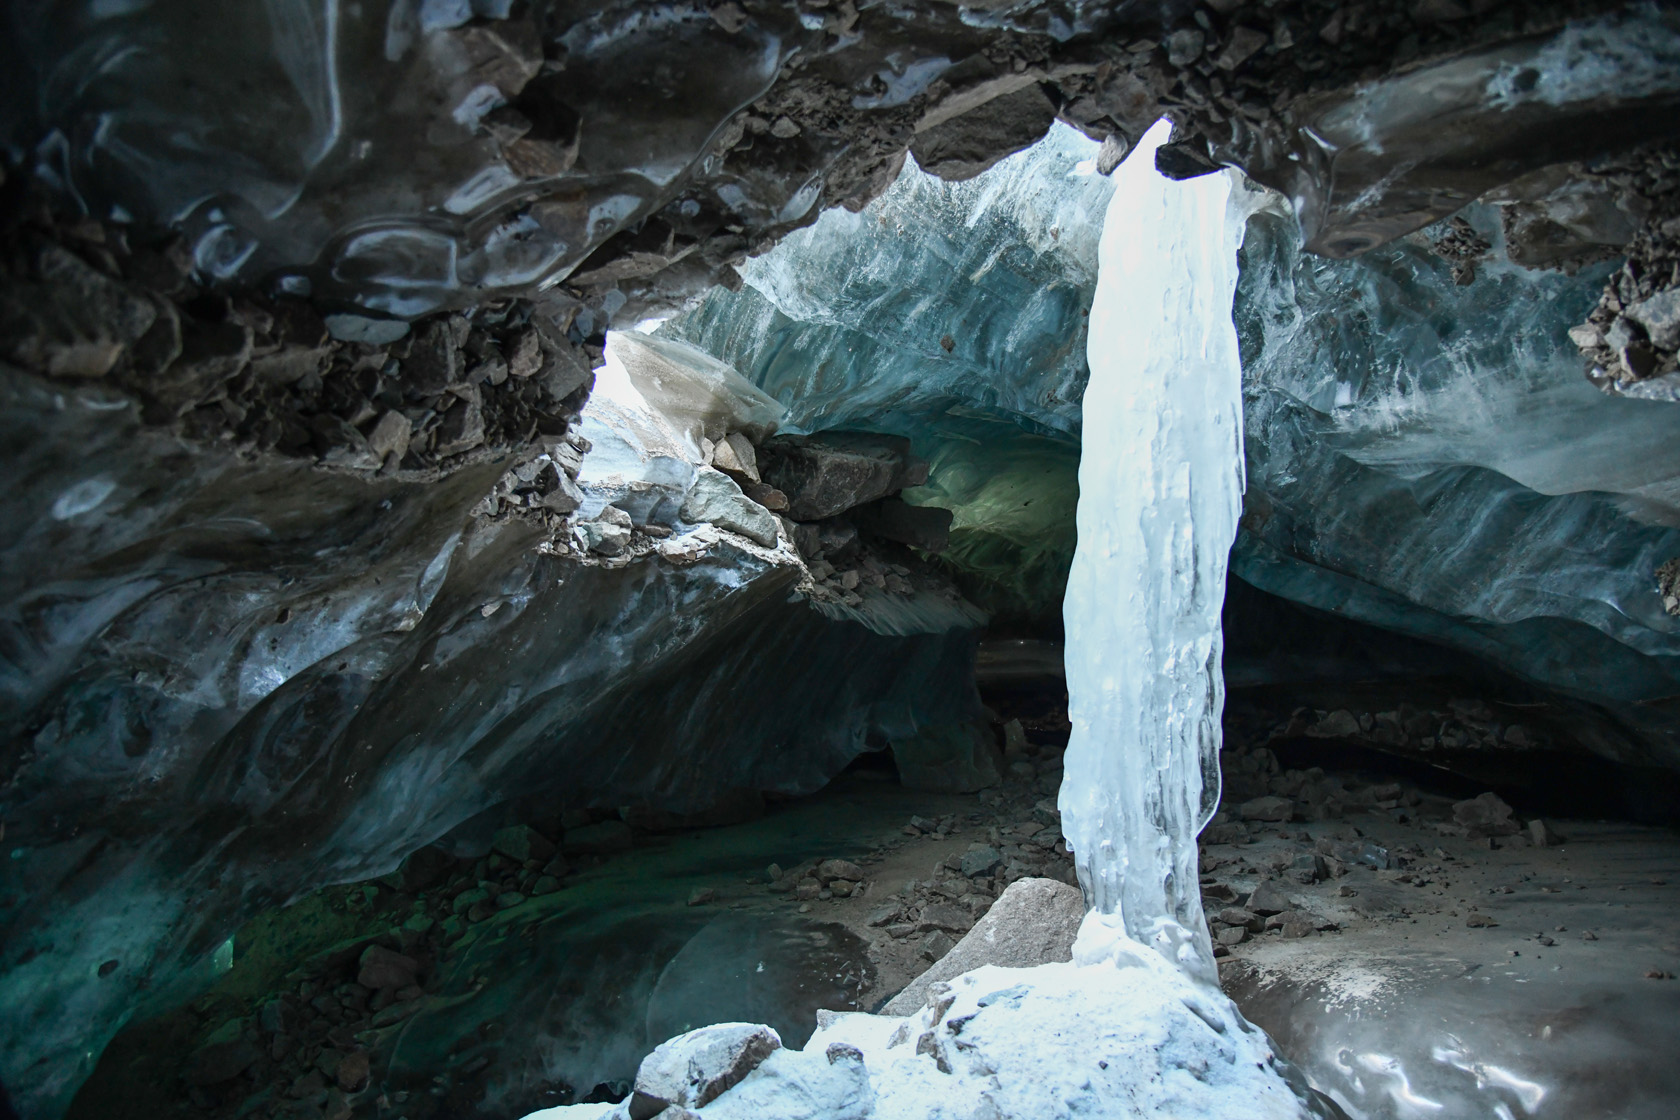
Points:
(1426, 456)
(251, 679)
(1160, 489)
(846, 322)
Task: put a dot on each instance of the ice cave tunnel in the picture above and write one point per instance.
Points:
(812, 560)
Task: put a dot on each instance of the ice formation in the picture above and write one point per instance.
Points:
(1160, 488)
(1134, 1025)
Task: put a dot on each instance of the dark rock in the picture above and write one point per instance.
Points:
(935, 945)
(352, 1072)
(832, 538)
(1278, 809)
(965, 145)
(1485, 815)
(952, 758)
(462, 427)
(925, 527)
(830, 869)
(829, 473)
(980, 860)
(699, 896)
(396, 1013)
(940, 915)
(424, 869)
(381, 968)
(522, 842)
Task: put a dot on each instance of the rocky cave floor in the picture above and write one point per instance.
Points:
(1346, 903)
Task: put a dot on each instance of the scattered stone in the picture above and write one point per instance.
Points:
(608, 533)
(352, 1072)
(936, 945)
(1277, 809)
(1477, 920)
(699, 896)
(980, 860)
(941, 915)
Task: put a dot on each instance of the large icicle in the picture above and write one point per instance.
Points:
(1160, 487)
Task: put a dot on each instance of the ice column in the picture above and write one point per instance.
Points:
(1160, 490)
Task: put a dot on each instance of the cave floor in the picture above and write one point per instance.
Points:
(538, 1003)
(1496, 980)
(1370, 978)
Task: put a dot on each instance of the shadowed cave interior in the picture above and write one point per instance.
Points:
(533, 532)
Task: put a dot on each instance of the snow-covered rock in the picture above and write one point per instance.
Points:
(1116, 1033)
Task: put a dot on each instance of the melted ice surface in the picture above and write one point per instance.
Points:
(1160, 491)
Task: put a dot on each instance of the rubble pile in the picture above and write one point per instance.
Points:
(90, 301)
(1632, 338)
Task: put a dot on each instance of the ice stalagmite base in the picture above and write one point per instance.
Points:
(1160, 486)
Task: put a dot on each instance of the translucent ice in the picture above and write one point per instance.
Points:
(1160, 487)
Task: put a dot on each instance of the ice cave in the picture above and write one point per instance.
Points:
(840, 560)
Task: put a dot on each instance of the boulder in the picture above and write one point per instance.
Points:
(831, 869)
(734, 455)
(1033, 922)
(831, 472)
(715, 498)
(1276, 809)
(1268, 899)
(608, 533)
(381, 968)
(522, 842)
(1486, 815)
(692, 1070)
(964, 145)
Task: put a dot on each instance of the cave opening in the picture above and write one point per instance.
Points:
(671, 561)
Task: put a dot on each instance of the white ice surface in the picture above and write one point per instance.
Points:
(1160, 490)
